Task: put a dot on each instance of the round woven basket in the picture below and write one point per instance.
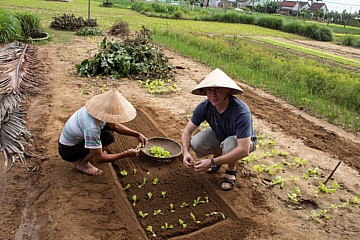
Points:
(172, 146)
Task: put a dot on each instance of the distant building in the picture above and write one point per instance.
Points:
(315, 7)
(289, 8)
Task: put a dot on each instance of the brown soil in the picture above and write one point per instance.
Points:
(58, 202)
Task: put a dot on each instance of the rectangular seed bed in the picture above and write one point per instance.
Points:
(179, 194)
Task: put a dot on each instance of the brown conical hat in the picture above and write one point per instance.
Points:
(217, 78)
(111, 107)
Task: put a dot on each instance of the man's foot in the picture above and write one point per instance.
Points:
(213, 170)
(88, 169)
(229, 180)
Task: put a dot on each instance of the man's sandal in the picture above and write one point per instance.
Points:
(213, 170)
(230, 181)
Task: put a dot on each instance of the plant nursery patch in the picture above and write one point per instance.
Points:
(168, 199)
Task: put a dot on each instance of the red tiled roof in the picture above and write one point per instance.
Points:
(287, 4)
(302, 4)
(316, 6)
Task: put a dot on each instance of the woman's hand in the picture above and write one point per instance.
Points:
(132, 152)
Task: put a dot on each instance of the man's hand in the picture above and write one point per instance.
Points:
(202, 165)
(188, 160)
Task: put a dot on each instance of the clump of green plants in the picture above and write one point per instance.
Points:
(137, 59)
(158, 151)
(350, 40)
(21, 26)
(88, 31)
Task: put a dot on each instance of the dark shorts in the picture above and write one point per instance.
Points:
(77, 152)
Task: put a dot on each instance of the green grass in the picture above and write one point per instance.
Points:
(313, 52)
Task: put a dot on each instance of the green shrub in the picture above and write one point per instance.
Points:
(229, 18)
(30, 24)
(294, 27)
(350, 40)
(324, 34)
(319, 33)
(88, 31)
(10, 27)
(271, 22)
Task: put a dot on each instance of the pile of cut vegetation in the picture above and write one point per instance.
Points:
(135, 58)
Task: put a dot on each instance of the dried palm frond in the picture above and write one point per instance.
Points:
(18, 78)
(19, 70)
(12, 136)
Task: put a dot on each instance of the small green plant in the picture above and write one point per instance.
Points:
(150, 195)
(150, 229)
(197, 201)
(158, 212)
(215, 213)
(143, 214)
(124, 173)
(182, 223)
(134, 200)
(134, 171)
(163, 194)
(155, 181)
(314, 216)
(194, 218)
(293, 198)
(355, 200)
(172, 207)
(325, 189)
(184, 204)
(143, 183)
(167, 226)
(127, 186)
(312, 173)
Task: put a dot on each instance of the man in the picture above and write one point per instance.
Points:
(90, 130)
(230, 136)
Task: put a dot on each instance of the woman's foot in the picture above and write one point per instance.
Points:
(88, 169)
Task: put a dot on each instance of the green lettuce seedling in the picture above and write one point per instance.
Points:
(150, 195)
(143, 214)
(149, 228)
(182, 223)
(167, 226)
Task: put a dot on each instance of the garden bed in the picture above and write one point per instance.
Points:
(176, 193)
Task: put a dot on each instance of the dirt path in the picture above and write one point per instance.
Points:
(58, 202)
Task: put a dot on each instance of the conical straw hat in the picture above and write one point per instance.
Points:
(217, 78)
(111, 107)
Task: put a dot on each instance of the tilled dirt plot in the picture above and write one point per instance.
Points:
(58, 202)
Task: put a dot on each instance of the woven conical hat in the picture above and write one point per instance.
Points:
(111, 107)
(217, 78)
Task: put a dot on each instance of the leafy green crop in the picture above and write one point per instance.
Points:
(158, 151)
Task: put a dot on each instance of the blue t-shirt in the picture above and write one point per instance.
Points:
(235, 120)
